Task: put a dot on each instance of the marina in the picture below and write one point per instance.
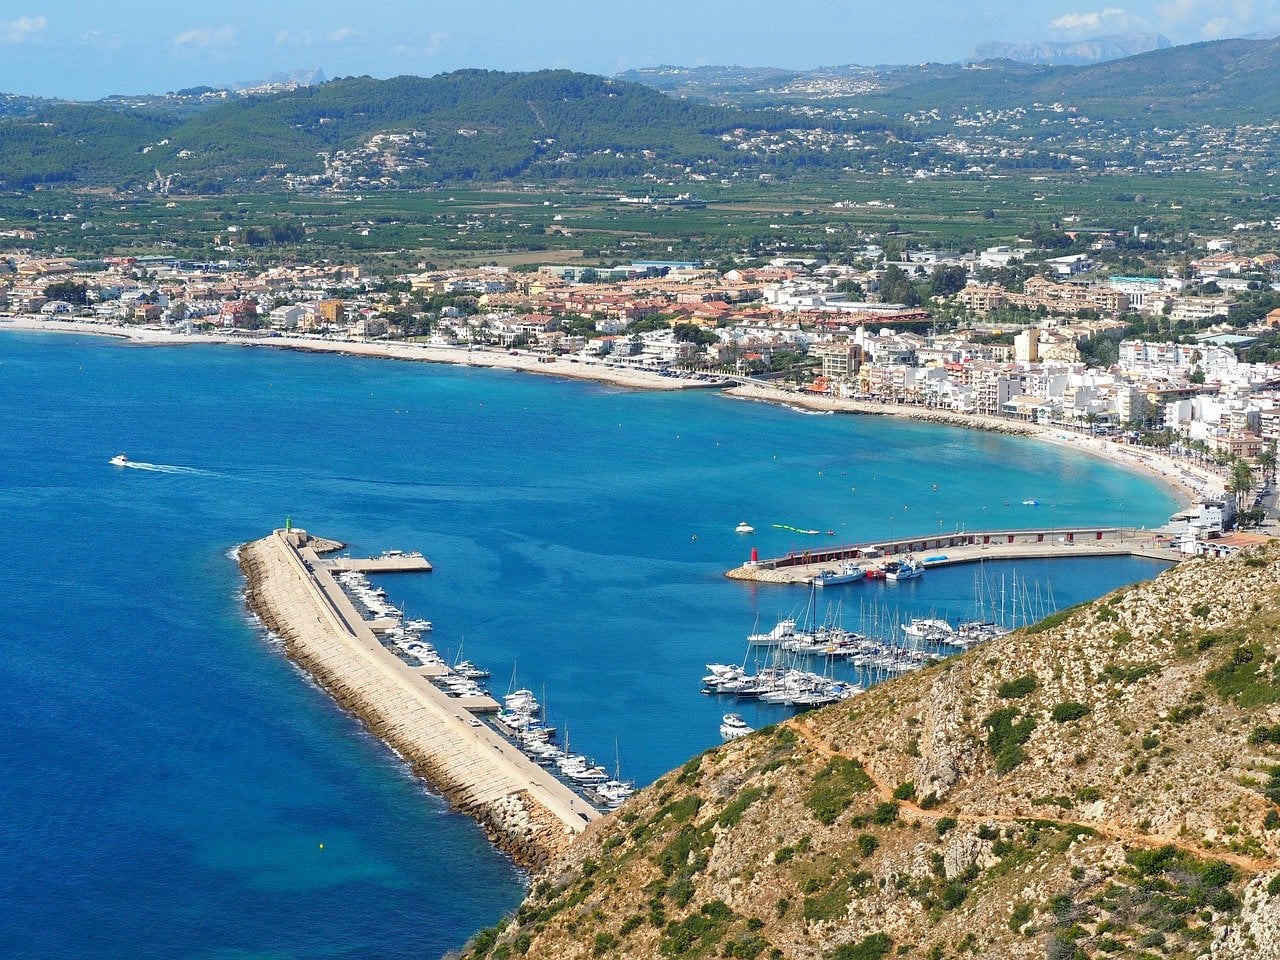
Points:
(884, 645)
(391, 687)
(520, 717)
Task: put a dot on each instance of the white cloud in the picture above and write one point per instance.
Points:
(205, 39)
(98, 40)
(435, 44)
(1113, 18)
(1216, 29)
(286, 38)
(23, 29)
(1212, 19)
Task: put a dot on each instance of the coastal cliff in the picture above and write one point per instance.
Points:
(1106, 783)
(446, 758)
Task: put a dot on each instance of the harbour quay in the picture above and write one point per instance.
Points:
(949, 549)
(525, 810)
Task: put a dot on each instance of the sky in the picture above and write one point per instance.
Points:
(82, 50)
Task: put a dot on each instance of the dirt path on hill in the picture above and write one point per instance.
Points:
(1111, 831)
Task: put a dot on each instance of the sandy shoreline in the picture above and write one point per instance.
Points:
(1188, 482)
(496, 359)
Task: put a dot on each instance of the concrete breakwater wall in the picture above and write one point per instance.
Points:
(969, 547)
(523, 810)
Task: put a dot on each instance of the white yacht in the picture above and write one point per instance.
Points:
(733, 726)
(929, 628)
(744, 527)
(119, 460)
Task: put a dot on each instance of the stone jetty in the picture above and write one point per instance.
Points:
(524, 809)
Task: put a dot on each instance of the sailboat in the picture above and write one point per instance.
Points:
(614, 792)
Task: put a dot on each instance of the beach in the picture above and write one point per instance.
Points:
(1189, 482)
(495, 358)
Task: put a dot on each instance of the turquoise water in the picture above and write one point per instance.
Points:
(170, 779)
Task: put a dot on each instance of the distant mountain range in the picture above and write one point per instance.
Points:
(1073, 52)
(554, 124)
(301, 77)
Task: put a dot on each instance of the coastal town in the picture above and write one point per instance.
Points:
(1007, 337)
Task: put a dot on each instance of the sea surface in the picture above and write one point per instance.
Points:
(173, 787)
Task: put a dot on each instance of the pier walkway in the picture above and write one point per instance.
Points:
(970, 546)
(396, 563)
(525, 809)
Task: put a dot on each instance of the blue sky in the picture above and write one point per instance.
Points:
(72, 48)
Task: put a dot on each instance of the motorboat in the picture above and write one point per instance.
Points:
(732, 726)
(119, 460)
(848, 572)
(744, 527)
(908, 568)
(785, 628)
(612, 793)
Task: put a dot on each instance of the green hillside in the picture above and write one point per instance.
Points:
(477, 124)
(480, 125)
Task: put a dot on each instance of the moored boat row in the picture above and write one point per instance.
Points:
(521, 719)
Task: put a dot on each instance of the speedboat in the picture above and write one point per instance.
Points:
(1030, 502)
(119, 460)
(849, 572)
(732, 726)
(744, 527)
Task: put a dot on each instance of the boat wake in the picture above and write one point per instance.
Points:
(165, 468)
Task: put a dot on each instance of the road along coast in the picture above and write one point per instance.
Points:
(524, 810)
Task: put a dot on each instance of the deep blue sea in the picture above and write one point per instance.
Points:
(173, 787)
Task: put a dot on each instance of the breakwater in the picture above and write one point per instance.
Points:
(948, 549)
(523, 809)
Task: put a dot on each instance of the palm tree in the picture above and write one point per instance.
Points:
(1267, 461)
(1091, 419)
(1242, 478)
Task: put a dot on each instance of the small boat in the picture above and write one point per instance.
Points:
(732, 726)
(744, 527)
(119, 460)
(849, 572)
(908, 568)
(1030, 502)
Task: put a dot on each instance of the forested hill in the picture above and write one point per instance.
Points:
(468, 124)
(362, 133)
(1221, 81)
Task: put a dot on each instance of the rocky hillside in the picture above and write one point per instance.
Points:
(1106, 784)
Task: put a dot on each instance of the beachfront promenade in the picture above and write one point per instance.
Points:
(948, 549)
(526, 810)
